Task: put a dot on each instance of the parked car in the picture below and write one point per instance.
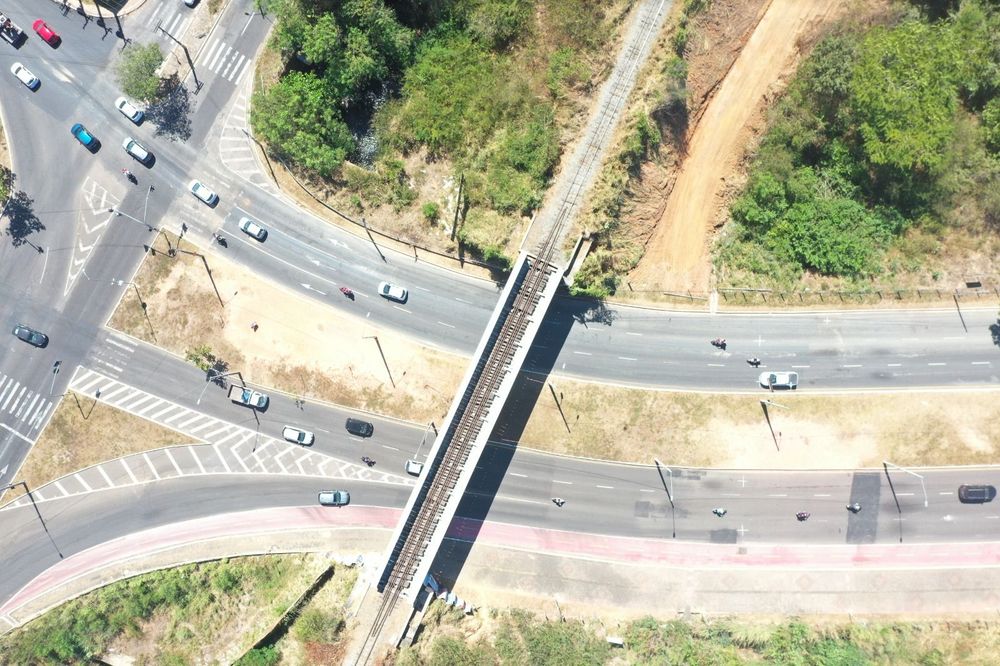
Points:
(25, 76)
(45, 32)
(129, 110)
(252, 229)
(392, 292)
(359, 427)
(30, 335)
(84, 136)
(203, 192)
(135, 149)
(334, 498)
(976, 493)
(298, 436)
(782, 380)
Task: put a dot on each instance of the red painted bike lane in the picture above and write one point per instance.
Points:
(272, 522)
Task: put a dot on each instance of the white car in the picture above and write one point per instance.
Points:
(298, 436)
(129, 110)
(24, 76)
(201, 191)
(413, 467)
(392, 292)
(252, 229)
(135, 149)
(788, 380)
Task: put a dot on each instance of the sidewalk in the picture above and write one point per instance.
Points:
(584, 574)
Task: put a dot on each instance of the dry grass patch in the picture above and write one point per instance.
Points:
(300, 347)
(84, 432)
(821, 432)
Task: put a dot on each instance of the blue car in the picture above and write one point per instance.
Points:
(83, 136)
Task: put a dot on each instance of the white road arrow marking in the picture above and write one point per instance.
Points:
(311, 288)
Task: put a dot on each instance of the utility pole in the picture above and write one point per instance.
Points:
(382, 354)
(372, 239)
(197, 83)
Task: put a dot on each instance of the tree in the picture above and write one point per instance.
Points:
(299, 118)
(904, 96)
(136, 71)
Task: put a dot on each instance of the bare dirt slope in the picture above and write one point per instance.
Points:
(676, 256)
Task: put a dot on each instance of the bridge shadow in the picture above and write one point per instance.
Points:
(495, 461)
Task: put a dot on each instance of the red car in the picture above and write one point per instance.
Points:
(45, 32)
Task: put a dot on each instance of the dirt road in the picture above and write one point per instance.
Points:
(676, 256)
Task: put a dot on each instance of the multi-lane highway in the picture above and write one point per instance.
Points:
(69, 258)
(601, 499)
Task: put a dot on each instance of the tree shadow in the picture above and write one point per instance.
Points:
(674, 117)
(23, 221)
(172, 112)
(591, 311)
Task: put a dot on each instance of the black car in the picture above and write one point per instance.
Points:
(359, 427)
(30, 335)
(976, 494)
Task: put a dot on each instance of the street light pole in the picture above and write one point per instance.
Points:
(899, 509)
(382, 354)
(134, 219)
(670, 493)
(210, 375)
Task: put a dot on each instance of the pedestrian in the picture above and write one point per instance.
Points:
(253, 326)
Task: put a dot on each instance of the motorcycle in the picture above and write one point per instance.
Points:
(347, 292)
(368, 461)
(802, 516)
(220, 240)
(720, 512)
(754, 362)
(719, 342)
(131, 177)
(854, 508)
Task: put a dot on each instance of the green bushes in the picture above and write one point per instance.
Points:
(869, 141)
(83, 628)
(318, 626)
(347, 49)
(566, 71)
(300, 120)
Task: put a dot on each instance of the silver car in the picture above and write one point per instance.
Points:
(129, 110)
(203, 192)
(298, 436)
(782, 380)
(252, 229)
(135, 149)
(392, 292)
(24, 76)
(334, 498)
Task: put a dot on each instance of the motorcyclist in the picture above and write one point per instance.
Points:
(754, 361)
(720, 512)
(802, 515)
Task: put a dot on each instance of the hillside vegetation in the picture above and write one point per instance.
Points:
(881, 163)
(520, 637)
(489, 86)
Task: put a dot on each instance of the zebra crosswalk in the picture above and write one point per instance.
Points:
(223, 59)
(21, 406)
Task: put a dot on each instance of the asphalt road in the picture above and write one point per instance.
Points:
(601, 499)
(74, 258)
